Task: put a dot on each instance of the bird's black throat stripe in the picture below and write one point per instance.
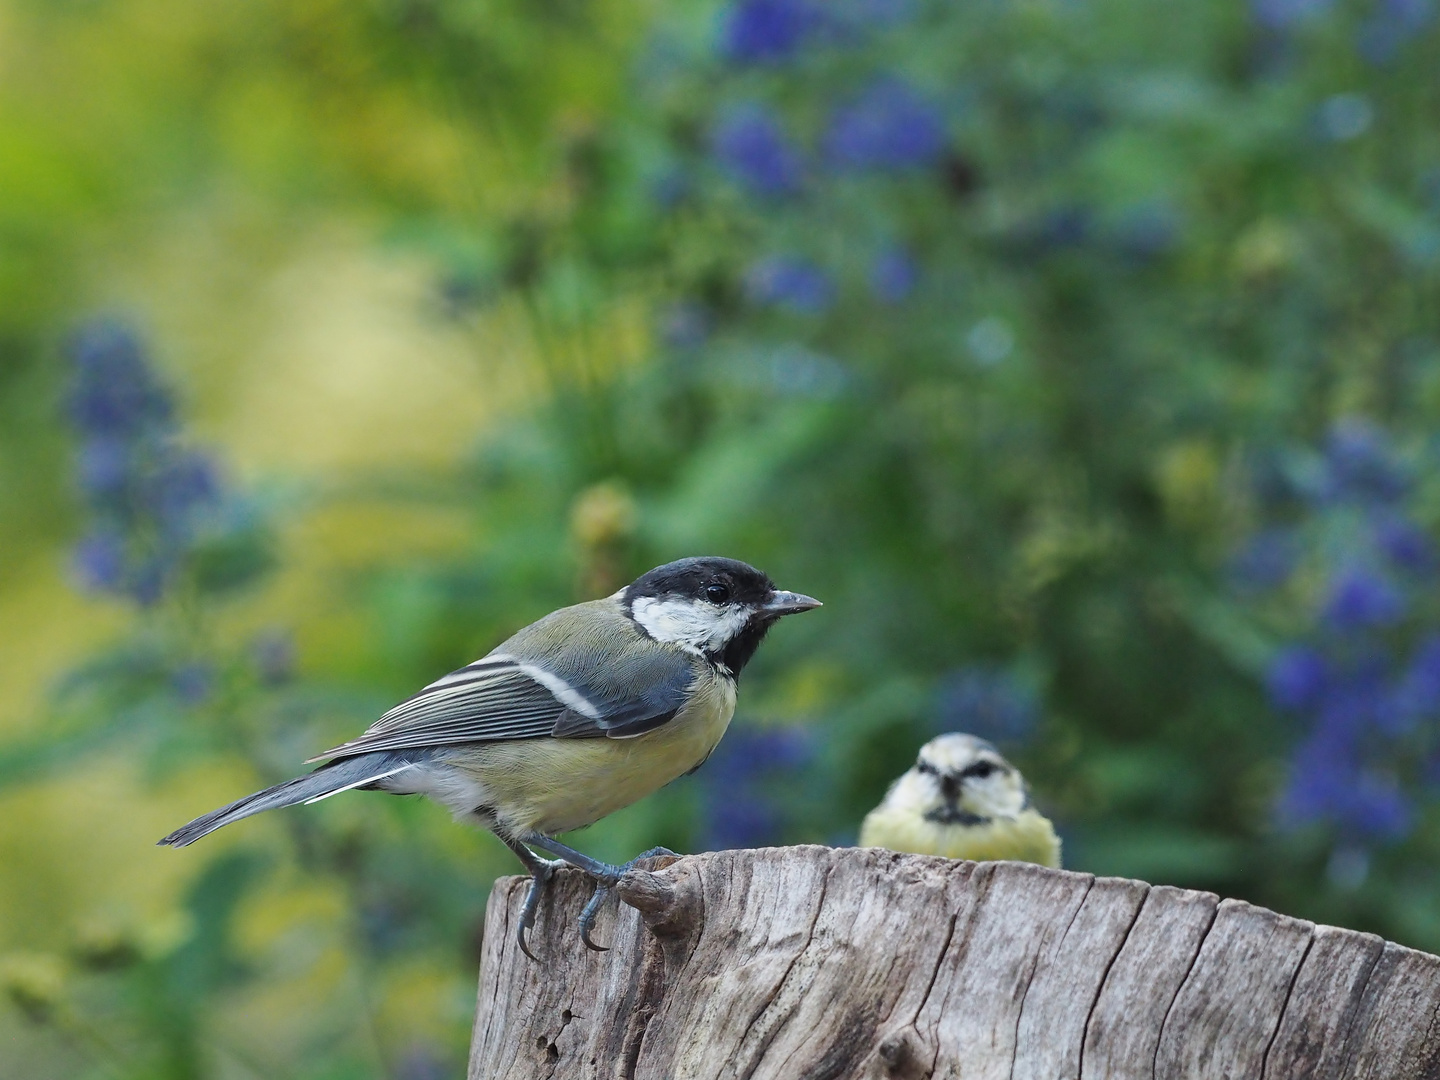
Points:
(949, 814)
(738, 650)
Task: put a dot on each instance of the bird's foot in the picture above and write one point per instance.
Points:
(604, 888)
(541, 871)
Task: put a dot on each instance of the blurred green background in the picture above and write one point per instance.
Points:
(1082, 355)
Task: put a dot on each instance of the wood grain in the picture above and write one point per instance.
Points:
(822, 964)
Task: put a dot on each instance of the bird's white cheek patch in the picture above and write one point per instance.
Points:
(691, 623)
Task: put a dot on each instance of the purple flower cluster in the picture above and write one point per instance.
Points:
(765, 31)
(773, 32)
(146, 495)
(987, 702)
(741, 783)
(1361, 467)
(753, 150)
(887, 127)
(1284, 14)
(790, 283)
(1365, 681)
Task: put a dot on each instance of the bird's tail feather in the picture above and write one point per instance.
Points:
(325, 781)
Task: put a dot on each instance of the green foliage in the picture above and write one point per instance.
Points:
(992, 326)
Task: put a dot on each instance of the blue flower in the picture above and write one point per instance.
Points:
(1360, 598)
(765, 31)
(893, 275)
(1405, 544)
(887, 127)
(1297, 677)
(740, 782)
(1418, 693)
(146, 493)
(103, 466)
(751, 147)
(182, 484)
(114, 392)
(1283, 14)
(146, 584)
(100, 561)
(1377, 807)
(989, 703)
(1360, 465)
(1329, 783)
(791, 283)
(1357, 701)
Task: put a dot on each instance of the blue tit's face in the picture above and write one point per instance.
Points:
(961, 780)
(719, 608)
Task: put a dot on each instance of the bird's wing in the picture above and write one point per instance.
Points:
(504, 696)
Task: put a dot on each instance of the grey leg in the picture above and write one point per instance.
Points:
(600, 871)
(606, 877)
(541, 871)
(602, 893)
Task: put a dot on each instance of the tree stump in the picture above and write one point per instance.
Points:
(821, 963)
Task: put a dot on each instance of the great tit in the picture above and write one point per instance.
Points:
(577, 715)
(962, 800)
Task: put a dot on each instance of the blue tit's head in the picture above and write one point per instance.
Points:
(718, 607)
(960, 780)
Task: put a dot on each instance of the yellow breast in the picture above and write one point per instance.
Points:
(1026, 837)
(555, 785)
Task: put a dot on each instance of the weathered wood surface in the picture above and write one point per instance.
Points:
(825, 964)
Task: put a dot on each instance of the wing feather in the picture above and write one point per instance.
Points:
(542, 683)
(505, 704)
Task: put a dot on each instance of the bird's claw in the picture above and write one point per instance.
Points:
(591, 910)
(539, 878)
(604, 888)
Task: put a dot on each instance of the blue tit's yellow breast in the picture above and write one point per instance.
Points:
(555, 785)
(1026, 837)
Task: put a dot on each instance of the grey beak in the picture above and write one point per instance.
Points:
(788, 603)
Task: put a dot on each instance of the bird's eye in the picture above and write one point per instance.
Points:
(980, 770)
(717, 594)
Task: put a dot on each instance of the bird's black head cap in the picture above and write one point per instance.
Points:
(704, 577)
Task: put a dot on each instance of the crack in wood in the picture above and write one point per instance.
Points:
(1034, 966)
(1285, 1005)
(646, 1005)
(769, 1038)
(1189, 970)
(980, 882)
(1358, 996)
(1104, 978)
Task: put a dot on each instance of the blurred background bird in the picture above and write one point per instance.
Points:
(962, 800)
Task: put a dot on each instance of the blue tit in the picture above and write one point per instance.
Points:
(577, 715)
(962, 800)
